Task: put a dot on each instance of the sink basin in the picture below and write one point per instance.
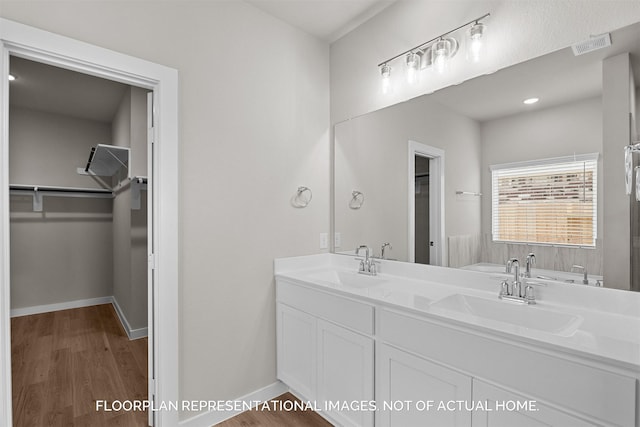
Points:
(348, 278)
(523, 316)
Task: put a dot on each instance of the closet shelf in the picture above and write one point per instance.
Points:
(38, 191)
(106, 160)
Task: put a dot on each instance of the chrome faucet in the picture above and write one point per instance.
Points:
(531, 261)
(516, 285)
(367, 264)
(585, 279)
(515, 292)
(385, 245)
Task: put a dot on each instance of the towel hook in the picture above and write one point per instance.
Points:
(357, 199)
(302, 197)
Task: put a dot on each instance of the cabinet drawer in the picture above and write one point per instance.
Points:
(594, 392)
(346, 312)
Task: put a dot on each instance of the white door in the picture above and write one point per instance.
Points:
(151, 350)
(345, 374)
(410, 391)
(296, 350)
(502, 412)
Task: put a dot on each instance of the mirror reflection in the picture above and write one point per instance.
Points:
(528, 160)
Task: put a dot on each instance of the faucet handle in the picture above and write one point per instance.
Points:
(529, 294)
(504, 288)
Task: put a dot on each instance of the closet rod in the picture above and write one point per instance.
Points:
(38, 191)
(55, 189)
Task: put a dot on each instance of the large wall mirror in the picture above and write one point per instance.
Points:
(422, 175)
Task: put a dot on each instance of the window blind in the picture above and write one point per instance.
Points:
(550, 201)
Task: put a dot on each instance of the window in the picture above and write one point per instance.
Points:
(551, 201)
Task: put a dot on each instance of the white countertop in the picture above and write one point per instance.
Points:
(598, 323)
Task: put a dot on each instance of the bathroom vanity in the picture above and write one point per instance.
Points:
(420, 345)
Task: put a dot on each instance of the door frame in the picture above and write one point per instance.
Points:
(63, 52)
(436, 201)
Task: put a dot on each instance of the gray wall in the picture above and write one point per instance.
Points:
(563, 130)
(616, 103)
(46, 149)
(241, 125)
(371, 155)
(130, 226)
(251, 131)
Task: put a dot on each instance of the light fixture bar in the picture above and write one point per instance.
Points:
(433, 39)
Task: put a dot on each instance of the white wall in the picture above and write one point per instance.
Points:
(254, 113)
(519, 30)
(371, 156)
(46, 149)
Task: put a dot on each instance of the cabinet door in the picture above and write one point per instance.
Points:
(501, 410)
(345, 375)
(411, 392)
(296, 349)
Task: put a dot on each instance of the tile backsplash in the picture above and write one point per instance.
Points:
(475, 248)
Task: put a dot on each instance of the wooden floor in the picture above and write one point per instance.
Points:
(255, 418)
(62, 362)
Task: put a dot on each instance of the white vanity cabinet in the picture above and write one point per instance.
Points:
(511, 415)
(345, 338)
(564, 390)
(409, 389)
(296, 342)
(326, 352)
(345, 374)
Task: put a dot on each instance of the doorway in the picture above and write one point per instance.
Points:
(426, 204)
(423, 243)
(37, 45)
(79, 244)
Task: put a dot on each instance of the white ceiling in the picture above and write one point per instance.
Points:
(556, 78)
(46, 88)
(326, 19)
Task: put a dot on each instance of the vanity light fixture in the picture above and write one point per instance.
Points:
(476, 40)
(441, 51)
(437, 52)
(413, 65)
(12, 77)
(385, 72)
(530, 101)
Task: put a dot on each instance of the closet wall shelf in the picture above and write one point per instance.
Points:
(106, 160)
(39, 191)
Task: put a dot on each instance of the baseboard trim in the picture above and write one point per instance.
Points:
(38, 309)
(210, 418)
(133, 334)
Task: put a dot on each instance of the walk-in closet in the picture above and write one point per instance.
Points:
(78, 241)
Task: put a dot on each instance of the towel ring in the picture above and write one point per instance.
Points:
(302, 197)
(357, 199)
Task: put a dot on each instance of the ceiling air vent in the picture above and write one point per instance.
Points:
(594, 43)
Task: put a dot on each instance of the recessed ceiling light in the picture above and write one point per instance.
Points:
(531, 101)
(11, 77)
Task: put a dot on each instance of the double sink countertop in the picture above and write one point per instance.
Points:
(598, 323)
